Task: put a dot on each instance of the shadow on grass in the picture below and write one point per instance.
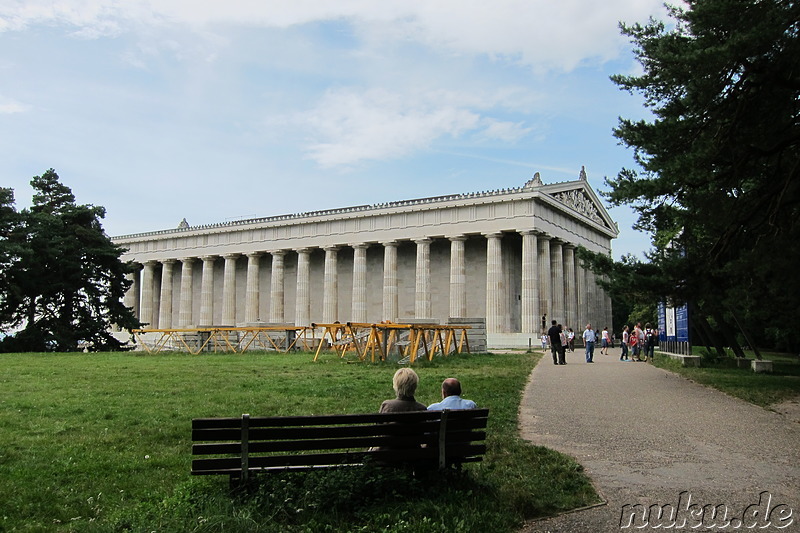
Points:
(372, 498)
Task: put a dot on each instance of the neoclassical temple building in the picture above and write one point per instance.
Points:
(507, 256)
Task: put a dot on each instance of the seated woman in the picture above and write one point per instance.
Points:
(405, 383)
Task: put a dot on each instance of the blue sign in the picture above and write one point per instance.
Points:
(674, 322)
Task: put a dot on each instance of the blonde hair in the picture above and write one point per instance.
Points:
(405, 382)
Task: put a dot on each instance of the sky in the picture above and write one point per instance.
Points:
(219, 111)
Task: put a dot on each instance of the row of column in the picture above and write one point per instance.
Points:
(553, 286)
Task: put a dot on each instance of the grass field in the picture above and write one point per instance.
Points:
(101, 442)
(761, 389)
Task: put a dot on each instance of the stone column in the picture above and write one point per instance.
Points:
(545, 283)
(458, 277)
(330, 298)
(583, 296)
(557, 281)
(531, 318)
(605, 306)
(570, 295)
(276, 290)
(165, 308)
(494, 283)
(148, 280)
(359, 310)
(422, 293)
(207, 292)
(390, 301)
(253, 290)
(132, 299)
(229, 291)
(303, 307)
(591, 291)
(185, 310)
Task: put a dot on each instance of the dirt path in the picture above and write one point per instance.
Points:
(647, 436)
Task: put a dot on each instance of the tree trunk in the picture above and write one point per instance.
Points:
(727, 333)
(703, 324)
(747, 337)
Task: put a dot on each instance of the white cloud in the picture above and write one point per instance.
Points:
(504, 130)
(9, 106)
(349, 126)
(541, 34)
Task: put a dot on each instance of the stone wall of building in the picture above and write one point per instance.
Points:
(508, 256)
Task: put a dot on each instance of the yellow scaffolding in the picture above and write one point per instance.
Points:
(375, 341)
(221, 339)
(378, 340)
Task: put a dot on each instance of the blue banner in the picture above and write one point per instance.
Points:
(673, 323)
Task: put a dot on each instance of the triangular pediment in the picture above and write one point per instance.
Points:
(581, 200)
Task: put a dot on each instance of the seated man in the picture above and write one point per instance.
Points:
(451, 397)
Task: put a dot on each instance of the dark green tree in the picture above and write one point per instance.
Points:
(718, 186)
(10, 252)
(68, 281)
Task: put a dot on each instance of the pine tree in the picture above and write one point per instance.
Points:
(718, 186)
(69, 278)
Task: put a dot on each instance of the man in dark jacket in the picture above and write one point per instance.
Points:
(554, 333)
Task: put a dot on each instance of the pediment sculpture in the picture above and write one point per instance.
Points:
(577, 200)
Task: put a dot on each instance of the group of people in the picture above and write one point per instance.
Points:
(405, 383)
(640, 343)
(560, 340)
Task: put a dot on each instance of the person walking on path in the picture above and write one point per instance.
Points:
(589, 339)
(605, 341)
(638, 347)
(554, 334)
(633, 346)
(624, 355)
(651, 339)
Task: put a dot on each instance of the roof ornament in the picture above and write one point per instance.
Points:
(183, 224)
(536, 181)
(583, 173)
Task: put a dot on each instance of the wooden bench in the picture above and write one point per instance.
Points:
(240, 447)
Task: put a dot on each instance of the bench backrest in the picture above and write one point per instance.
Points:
(238, 446)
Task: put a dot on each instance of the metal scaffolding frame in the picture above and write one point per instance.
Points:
(373, 341)
(222, 339)
(410, 341)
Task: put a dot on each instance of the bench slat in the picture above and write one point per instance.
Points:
(333, 444)
(327, 420)
(461, 453)
(323, 432)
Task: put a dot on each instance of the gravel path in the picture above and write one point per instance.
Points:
(645, 436)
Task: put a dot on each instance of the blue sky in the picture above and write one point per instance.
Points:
(217, 111)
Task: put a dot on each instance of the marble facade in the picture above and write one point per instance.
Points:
(506, 255)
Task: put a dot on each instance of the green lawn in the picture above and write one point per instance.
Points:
(722, 374)
(101, 442)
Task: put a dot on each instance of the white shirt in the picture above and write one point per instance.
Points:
(452, 402)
